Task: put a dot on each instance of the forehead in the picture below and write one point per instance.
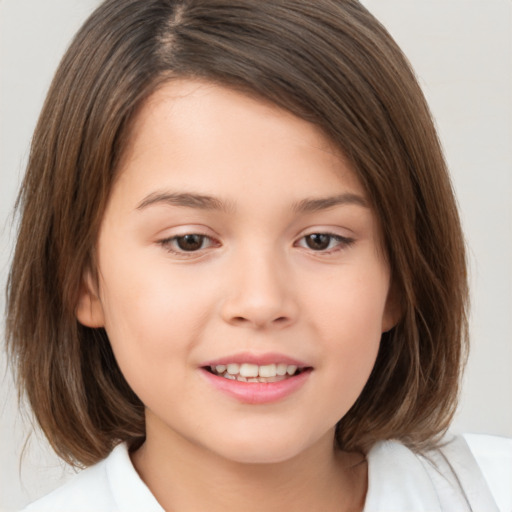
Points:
(209, 136)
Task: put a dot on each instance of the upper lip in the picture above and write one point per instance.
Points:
(258, 359)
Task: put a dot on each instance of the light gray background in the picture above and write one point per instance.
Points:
(462, 52)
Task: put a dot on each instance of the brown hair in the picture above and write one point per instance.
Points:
(329, 62)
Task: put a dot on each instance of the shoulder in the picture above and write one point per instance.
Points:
(112, 485)
(481, 465)
(463, 473)
(494, 457)
(88, 490)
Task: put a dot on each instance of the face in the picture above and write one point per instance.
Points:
(241, 281)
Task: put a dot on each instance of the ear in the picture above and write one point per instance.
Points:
(89, 310)
(392, 310)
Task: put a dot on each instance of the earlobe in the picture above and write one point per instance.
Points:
(388, 322)
(392, 311)
(89, 310)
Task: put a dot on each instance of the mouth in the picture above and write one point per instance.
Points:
(257, 378)
(248, 372)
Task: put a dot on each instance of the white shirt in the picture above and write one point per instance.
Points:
(470, 473)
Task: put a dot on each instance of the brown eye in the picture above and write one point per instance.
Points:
(324, 243)
(318, 241)
(190, 242)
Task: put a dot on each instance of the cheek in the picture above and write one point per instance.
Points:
(151, 314)
(347, 313)
(351, 302)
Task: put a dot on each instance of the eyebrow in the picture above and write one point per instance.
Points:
(205, 202)
(189, 200)
(324, 203)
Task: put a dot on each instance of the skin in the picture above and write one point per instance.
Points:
(255, 285)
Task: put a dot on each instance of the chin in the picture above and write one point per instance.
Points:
(263, 449)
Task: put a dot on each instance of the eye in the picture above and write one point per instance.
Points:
(324, 242)
(190, 242)
(187, 243)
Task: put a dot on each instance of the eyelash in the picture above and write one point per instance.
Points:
(169, 244)
(341, 242)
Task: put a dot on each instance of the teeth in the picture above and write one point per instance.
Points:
(268, 370)
(247, 372)
(233, 368)
(291, 369)
(281, 369)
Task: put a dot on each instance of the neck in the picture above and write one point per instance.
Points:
(185, 476)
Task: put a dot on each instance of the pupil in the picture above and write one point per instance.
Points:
(318, 241)
(190, 242)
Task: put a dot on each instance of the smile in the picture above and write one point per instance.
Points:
(252, 378)
(247, 372)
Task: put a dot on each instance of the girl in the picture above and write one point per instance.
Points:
(228, 290)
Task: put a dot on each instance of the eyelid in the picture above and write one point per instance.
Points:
(167, 242)
(343, 241)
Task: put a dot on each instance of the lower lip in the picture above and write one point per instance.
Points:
(257, 392)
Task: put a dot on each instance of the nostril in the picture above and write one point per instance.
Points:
(242, 320)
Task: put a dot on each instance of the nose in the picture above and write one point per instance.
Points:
(261, 293)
